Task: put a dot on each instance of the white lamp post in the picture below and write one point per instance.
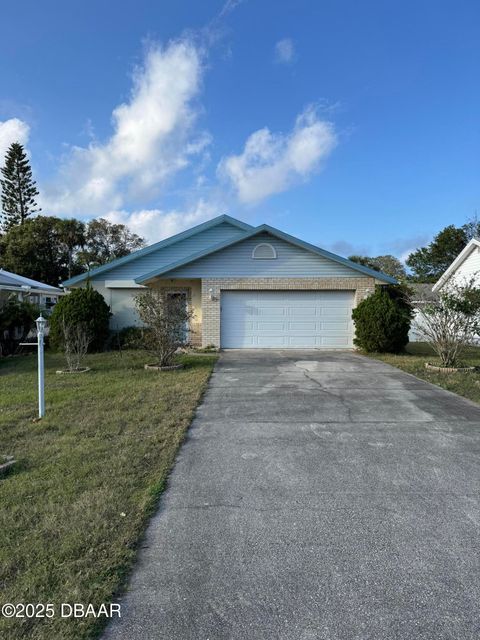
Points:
(41, 322)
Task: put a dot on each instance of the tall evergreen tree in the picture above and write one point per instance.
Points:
(19, 189)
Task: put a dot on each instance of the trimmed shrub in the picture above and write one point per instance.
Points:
(130, 337)
(382, 321)
(85, 306)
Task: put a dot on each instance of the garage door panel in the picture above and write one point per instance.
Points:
(341, 311)
(267, 311)
(239, 327)
(333, 341)
(308, 341)
(304, 326)
(269, 341)
(286, 319)
(304, 312)
(270, 326)
(335, 326)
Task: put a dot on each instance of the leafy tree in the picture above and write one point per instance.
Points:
(53, 249)
(105, 241)
(71, 235)
(85, 307)
(430, 262)
(34, 250)
(386, 264)
(472, 228)
(382, 321)
(18, 188)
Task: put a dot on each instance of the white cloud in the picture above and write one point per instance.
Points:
(155, 135)
(285, 51)
(229, 7)
(271, 163)
(156, 224)
(153, 138)
(13, 130)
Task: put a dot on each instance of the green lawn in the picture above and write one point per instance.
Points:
(88, 477)
(413, 361)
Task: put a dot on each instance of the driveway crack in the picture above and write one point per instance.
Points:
(328, 393)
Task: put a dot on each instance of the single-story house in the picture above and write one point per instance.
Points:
(249, 287)
(465, 266)
(39, 293)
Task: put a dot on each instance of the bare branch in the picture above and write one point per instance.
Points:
(76, 340)
(166, 316)
(451, 323)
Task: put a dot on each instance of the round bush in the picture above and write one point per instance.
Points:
(131, 337)
(382, 321)
(81, 305)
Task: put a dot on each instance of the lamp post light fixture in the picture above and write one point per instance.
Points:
(41, 322)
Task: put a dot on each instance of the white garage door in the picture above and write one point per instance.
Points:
(286, 319)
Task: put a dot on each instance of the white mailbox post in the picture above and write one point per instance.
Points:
(41, 322)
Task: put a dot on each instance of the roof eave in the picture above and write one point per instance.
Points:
(192, 258)
(462, 256)
(32, 290)
(332, 256)
(275, 232)
(158, 245)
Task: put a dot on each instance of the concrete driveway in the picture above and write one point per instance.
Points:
(318, 496)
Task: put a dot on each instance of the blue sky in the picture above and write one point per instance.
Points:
(353, 125)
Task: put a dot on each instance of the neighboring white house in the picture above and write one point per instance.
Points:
(465, 266)
(422, 295)
(39, 293)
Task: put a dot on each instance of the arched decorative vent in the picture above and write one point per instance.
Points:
(264, 251)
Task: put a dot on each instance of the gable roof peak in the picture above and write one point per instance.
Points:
(262, 228)
(182, 235)
(462, 256)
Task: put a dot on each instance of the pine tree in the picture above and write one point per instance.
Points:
(18, 188)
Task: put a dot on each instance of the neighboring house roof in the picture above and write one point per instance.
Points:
(248, 232)
(422, 292)
(158, 245)
(278, 234)
(459, 260)
(9, 280)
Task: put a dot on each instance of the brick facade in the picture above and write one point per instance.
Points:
(212, 288)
